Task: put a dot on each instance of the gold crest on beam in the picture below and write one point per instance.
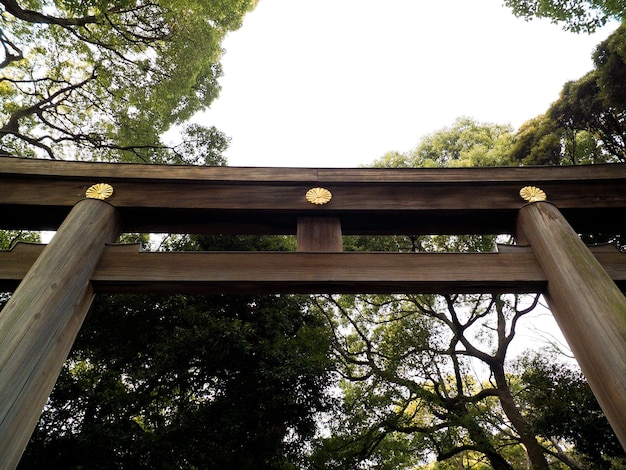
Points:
(100, 191)
(318, 196)
(532, 194)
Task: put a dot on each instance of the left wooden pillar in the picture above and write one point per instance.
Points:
(39, 323)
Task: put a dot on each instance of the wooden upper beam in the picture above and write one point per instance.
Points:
(124, 269)
(37, 194)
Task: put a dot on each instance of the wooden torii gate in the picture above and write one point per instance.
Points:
(90, 204)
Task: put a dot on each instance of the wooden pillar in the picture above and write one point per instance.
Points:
(319, 234)
(40, 321)
(588, 306)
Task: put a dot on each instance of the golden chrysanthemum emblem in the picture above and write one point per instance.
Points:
(318, 196)
(99, 191)
(532, 194)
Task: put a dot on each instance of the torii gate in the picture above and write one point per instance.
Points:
(90, 204)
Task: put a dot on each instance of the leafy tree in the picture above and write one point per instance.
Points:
(587, 124)
(560, 406)
(577, 16)
(407, 371)
(105, 80)
(582, 107)
(188, 381)
(465, 143)
(545, 141)
(610, 61)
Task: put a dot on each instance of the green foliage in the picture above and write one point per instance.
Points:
(105, 80)
(538, 142)
(587, 124)
(188, 382)
(465, 143)
(229, 243)
(359, 436)
(583, 106)
(421, 243)
(610, 61)
(201, 146)
(577, 16)
(8, 239)
(561, 407)
(409, 390)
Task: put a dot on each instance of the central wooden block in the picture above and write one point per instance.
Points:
(319, 234)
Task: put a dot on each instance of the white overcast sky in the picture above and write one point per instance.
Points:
(338, 83)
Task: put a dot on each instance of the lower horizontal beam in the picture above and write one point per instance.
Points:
(124, 269)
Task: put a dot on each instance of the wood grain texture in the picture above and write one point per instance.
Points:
(162, 198)
(40, 321)
(319, 234)
(587, 305)
(125, 269)
(137, 172)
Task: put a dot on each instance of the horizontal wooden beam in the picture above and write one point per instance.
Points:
(38, 194)
(29, 167)
(123, 269)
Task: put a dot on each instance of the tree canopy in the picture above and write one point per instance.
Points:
(408, 363)
(560, 407)
(105, 80)
(587, 123)
(465, 143)
(577, 16)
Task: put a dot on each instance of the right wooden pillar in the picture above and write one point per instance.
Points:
(587, 305)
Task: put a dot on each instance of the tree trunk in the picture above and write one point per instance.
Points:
(533, 449)
(482, 440)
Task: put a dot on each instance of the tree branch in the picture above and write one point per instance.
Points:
(31, 16)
